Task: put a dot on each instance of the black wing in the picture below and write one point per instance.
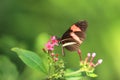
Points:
(69, 42)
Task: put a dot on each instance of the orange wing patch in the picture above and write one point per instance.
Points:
(74, 28)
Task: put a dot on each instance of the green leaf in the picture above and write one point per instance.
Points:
(31, 59)
(70, 74)
(74, 78)
(91, 74)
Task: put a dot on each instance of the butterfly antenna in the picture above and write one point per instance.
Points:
(79, 53)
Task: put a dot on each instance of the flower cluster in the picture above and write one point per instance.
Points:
(88, 65)
(56, 65)
(50, 47)
(89, 61)
(51, 43)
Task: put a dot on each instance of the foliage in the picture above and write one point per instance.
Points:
(56, 69)
(24, 23)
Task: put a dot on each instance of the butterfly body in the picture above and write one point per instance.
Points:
(74, 36)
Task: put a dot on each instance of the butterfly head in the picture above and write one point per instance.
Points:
(58, 39)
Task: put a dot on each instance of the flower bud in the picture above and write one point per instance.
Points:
(55, 59)
(88, 54)
(100, 61)
(52, 54)
(93, 54)
(56, 55)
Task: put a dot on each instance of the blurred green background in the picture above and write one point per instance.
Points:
(23, 23)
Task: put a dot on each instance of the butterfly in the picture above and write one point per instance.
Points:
(73, 37)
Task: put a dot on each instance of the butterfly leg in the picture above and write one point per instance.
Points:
(63, 52)
(79, 53)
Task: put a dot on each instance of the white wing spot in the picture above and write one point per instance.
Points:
(69, 43)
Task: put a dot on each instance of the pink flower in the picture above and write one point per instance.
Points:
(49, 46)
(54, 40)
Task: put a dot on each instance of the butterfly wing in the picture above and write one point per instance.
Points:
(70, 44)
(74, 36)
(74, 40)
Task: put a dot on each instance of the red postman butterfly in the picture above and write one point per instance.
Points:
(73, 37)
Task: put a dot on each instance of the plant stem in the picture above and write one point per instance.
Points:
(73, 73)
